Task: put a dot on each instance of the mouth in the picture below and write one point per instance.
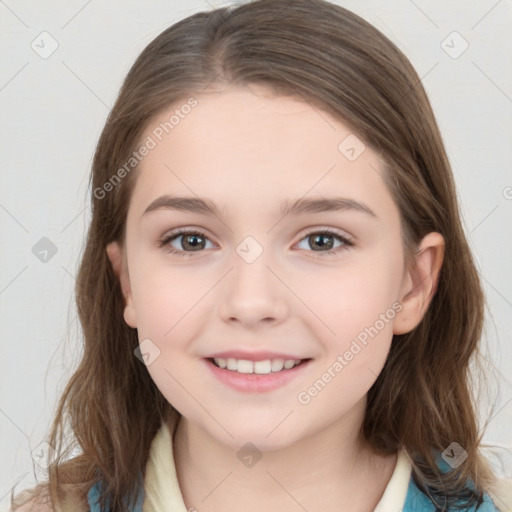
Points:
(264, 367)
(256, 376)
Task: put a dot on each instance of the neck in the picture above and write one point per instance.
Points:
(331, 469)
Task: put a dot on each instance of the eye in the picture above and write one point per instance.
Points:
(191, 241)
(322, 242)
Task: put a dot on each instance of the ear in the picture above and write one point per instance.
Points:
(420, 283)
(117, 258)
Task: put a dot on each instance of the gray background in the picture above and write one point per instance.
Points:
(52, 112)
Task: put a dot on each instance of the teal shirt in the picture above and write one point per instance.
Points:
(415, 501)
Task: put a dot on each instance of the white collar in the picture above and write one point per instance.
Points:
(163, 493)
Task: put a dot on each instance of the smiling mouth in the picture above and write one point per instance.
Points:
(302, 361)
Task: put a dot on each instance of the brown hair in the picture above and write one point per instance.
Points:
(336, 61)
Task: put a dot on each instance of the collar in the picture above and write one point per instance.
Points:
(161, 491)
(163, 494)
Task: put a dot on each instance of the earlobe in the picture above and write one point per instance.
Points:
(118, 260)
(420, 283)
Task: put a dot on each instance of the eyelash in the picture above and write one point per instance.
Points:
(324, 231)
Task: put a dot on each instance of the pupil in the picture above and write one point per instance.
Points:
(195, 244)
(321, 241)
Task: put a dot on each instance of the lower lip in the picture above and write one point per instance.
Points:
(253, 382)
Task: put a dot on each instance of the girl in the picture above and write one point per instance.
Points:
(278, 301)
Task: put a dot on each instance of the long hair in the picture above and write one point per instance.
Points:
(334, 60)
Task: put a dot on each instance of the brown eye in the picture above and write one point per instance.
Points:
(191, 241)
(323, 242)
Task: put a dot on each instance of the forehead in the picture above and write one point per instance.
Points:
(241, 144)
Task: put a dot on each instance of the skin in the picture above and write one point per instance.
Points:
(248, 150)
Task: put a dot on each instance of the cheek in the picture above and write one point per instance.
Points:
(366, 321)
(352, 296)
(164, 296)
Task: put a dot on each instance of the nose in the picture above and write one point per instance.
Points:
(252, 295)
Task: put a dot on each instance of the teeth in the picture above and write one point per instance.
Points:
(259, 367)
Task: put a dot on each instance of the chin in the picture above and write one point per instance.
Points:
(258, 436)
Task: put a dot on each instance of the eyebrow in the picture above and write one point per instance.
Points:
(300, 206)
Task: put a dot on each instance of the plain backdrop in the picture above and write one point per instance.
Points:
(62, 66)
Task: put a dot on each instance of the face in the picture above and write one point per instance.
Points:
(316, 284)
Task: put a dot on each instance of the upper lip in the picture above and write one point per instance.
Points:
(253, 356)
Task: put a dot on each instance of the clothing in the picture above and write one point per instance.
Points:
(161, 491)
